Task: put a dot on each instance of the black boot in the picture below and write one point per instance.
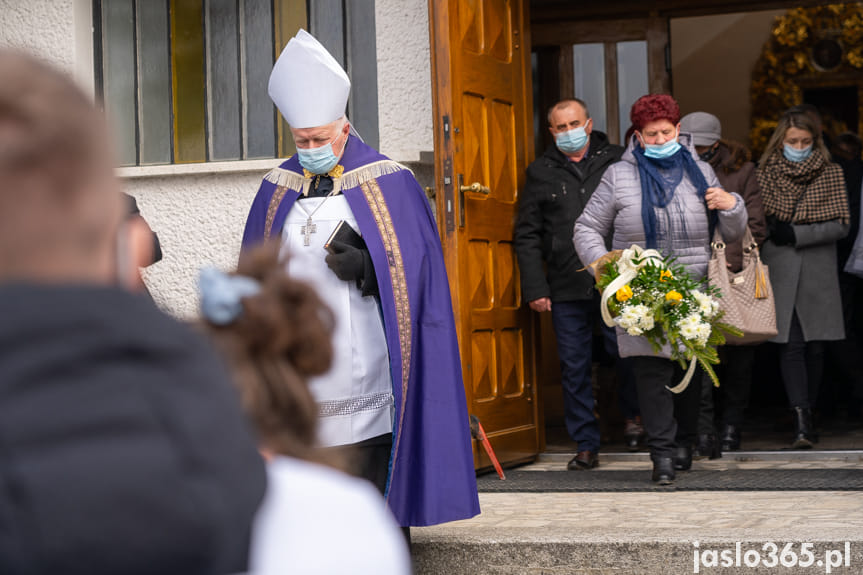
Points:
(682, 458)
(663, 471)
(707, 446)
(730, 438)
(802, 428)
(633, 433)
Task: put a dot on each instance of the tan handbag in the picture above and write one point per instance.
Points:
(747, 296)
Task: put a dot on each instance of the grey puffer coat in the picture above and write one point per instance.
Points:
(615, 210)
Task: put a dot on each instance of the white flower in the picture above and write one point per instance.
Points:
(635, 319)
(707, 305)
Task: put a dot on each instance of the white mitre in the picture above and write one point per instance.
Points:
(307, 84)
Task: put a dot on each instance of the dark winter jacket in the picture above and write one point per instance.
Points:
(737, 174)
(555, 194)
(123, 448)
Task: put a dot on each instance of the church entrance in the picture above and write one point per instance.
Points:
(715, 57)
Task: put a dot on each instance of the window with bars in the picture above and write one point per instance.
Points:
(186, 80)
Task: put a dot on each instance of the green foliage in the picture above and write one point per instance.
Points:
(682, 310)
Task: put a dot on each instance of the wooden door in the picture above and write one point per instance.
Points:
(483, 143)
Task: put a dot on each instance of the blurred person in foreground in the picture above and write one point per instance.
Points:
(807, 213)
(394, 393)
(276, 333)
(660, 196)
(736, 173)
(124, 447)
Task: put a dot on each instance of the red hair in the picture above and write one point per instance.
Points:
(654, 107)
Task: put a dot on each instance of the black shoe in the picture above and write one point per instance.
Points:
(633, 433)
(682, 458)
(802, 428)
(583, 460)
(707, 446)
(663, 471)
(730, 438)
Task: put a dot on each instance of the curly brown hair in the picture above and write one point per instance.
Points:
(281, 338)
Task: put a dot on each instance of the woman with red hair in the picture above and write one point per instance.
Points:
(660, 196)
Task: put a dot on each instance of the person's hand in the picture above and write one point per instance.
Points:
(346, 261)
(782, 233)
(719, 199)
(541, 304)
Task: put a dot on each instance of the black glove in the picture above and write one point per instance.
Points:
(782, 233)
(350, 263)
(346, 261)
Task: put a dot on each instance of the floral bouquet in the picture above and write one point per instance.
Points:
(649, 296)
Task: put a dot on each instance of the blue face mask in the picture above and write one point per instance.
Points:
(319, 160)
(794, 155)
(571, 141)
(662, 151)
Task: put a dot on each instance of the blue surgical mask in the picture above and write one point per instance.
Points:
(793, 154)
(662, 151)
(319, 160)
(571, 141)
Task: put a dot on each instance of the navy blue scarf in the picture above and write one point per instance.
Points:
(657, 189)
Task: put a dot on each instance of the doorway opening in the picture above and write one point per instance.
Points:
(708, 63)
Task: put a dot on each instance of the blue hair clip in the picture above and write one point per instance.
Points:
(221, 295)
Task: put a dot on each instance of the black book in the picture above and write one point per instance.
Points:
(347, 235)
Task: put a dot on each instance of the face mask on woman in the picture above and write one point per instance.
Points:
(793, 154)
(661, 151)
(571, 141)
(319, 160)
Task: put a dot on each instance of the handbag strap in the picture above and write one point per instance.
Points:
(749, 244)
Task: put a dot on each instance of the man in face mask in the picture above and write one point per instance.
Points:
(124, 446)
(736, 173)
(358, 227)
(558, 187)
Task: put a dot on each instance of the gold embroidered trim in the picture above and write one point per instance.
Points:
(275, 201)
(334, 173)
(352, 179)
(381, 213)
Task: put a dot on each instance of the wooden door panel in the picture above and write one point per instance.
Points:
(482, 369)
(498, 30)
(502, 151)
(511, 363)
(480, 265)
(482, 88)
(508, 287)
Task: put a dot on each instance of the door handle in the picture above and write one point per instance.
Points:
(475, 187)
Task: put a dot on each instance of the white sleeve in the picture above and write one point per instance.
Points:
(316, 520)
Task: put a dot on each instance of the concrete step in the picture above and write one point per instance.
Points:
(651, 532)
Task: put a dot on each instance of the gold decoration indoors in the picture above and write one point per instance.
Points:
(808, 47)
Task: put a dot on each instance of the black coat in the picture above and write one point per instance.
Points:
(123, 448)
(555, 194)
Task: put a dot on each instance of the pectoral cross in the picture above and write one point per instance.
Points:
(307, 231)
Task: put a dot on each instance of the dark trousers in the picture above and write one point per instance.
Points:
(669, 419)
(573, 326)
(801, 363)
(627, 395)
(735, 377)
(737, 382)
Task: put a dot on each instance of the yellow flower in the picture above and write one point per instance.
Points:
(665, 274)
(623, 293)
(673, 297)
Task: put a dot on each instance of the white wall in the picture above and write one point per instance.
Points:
(199, 214)
(404, 78)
